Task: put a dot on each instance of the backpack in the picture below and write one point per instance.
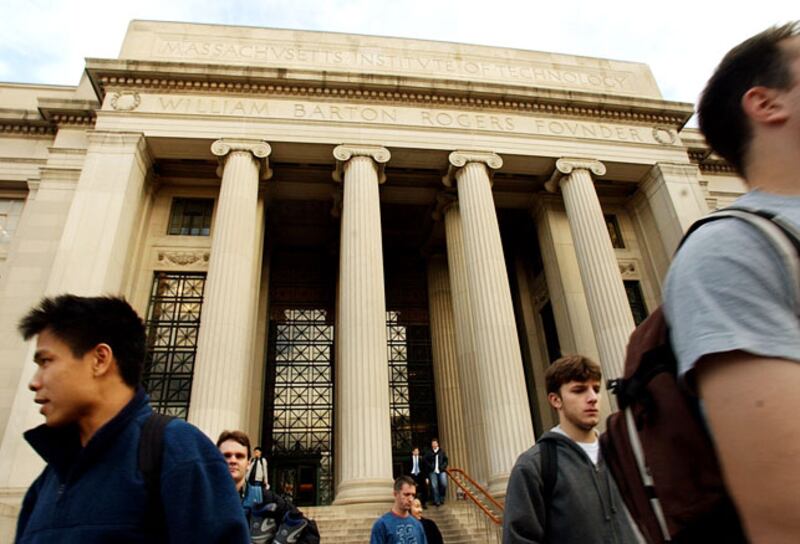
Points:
(657, 446)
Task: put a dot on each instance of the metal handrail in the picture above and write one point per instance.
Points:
(495, 519)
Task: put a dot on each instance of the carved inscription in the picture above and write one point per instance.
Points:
(390, 60)
(406, 116)
(577, 129)
(219, 106)
(329, 112)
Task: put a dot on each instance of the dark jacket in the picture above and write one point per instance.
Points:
(585, 506)
(432, 533)
(430, 460)
(96, 494)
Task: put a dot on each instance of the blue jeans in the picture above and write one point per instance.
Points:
(438, 486)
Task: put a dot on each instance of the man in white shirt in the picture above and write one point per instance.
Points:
(257, 470)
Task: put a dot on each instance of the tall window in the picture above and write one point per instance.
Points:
(173, 320)
(614, 232)
(301, 390)
(636, 301)
(191, 216)
(412, 401)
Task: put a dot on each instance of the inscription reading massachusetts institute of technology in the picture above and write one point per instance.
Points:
(391, 61)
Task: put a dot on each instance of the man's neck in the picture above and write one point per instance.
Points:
(777, 169)
(115, 398)
(399, 513)
(578, 434)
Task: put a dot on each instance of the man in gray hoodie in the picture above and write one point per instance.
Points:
(581, 503)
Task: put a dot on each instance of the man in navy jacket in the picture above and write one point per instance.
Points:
(90, 356)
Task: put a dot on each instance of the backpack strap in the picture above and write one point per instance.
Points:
(784, 236)
(549, 460)
(151, 453)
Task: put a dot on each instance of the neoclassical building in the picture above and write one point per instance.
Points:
(346, 245)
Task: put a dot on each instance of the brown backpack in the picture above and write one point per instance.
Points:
(657, 446)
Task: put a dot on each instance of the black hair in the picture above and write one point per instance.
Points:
(84, 322)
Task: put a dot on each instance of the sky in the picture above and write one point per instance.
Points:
(46, 41)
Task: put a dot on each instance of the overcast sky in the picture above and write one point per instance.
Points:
(46, 41)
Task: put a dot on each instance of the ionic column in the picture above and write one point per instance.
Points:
(609, 311)
(222, 367)
(506, 411)
(362, 371)
(465, 347)
(449, 404)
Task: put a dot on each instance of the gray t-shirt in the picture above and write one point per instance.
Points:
(729, 289)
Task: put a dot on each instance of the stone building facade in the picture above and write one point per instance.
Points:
(346, 245)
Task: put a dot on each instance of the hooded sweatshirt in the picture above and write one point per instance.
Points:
(585, 506)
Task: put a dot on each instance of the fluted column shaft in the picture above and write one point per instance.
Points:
(506, 411)
(362, 371)
(449, 403)
(224, 343)
(465, 348)
(609, 310)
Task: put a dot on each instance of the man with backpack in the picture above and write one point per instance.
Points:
(731, 299)
(272, 519)
(560, 490)
(90, 356)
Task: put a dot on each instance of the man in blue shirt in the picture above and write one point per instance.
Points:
(398, 526)
(731, 298)
(90, 357)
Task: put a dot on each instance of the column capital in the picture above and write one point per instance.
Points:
(459, 159)
(567, 165)
(343, 153)
(260, 150)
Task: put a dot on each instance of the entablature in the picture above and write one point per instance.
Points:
(109, 75)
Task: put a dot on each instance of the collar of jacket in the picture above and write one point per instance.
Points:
(61, 448)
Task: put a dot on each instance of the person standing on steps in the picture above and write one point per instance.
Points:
(419, 471)
(436, 459)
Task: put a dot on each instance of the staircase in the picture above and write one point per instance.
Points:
(459, 522)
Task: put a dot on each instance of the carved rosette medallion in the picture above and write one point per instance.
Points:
(125, 100)
(459, 159)
(343, 153)
(663, 135)
(565, 166)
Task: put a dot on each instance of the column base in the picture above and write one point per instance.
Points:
(364, 492)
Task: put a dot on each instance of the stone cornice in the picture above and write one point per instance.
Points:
(343, 153)
(459, 159)
(565, 166)
(260, 150)
(114, 75)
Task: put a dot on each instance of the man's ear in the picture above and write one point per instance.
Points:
(555, 400)
(103, 360)
(764, 105)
